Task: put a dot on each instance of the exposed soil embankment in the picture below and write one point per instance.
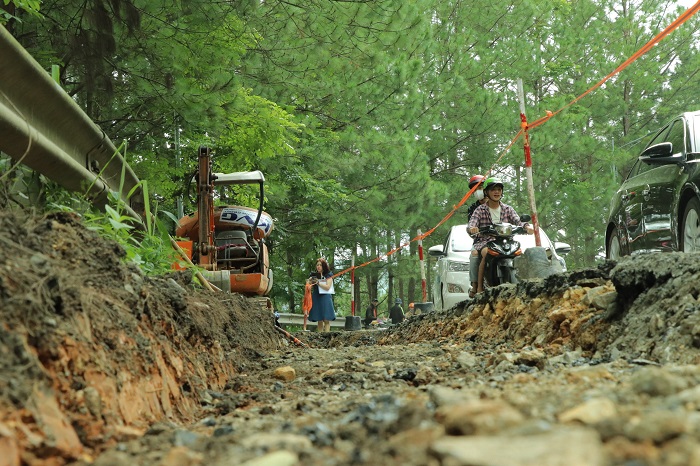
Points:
(94, 352)
(643, 307)
(104, 366)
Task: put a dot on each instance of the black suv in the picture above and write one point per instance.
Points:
(657, 208)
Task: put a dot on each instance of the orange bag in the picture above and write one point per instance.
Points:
(306, 304)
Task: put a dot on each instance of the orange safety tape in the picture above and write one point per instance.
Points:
(447, 217)
(685, 16)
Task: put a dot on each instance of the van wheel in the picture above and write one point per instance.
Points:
(690, 228)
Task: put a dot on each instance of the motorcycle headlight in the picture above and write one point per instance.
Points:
(455, 266)
(504, 229)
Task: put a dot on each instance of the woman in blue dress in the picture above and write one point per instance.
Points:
(322, 310)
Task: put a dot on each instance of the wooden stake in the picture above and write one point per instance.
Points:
(528, 164)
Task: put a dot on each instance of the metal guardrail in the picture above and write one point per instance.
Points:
(42, 127)
(298, 320)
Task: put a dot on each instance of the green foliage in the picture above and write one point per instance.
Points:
(150, 250)
(29, 6)
(257, 129)
(367, 118)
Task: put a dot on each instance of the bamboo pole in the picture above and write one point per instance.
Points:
(197, 273)
(528, 164)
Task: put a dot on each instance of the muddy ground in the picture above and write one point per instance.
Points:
(101, 365)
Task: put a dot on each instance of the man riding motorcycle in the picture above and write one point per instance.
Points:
(493, 211)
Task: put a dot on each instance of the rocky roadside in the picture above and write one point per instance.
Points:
(596, 367)
(436, 404)
(105, 366)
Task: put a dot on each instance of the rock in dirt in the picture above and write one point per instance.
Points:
(103, 365)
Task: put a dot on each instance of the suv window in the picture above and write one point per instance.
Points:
(639, 168)
(676, 136)
(673, 133)
(660, 137)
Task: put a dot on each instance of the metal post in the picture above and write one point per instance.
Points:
(423, 285)
(528, 163)
(352, 286)
(178, 165)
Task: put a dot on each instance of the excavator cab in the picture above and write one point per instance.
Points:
(234, 250)
(229, 242)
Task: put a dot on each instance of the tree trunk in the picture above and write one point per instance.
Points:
(290, 290)
(390, 293)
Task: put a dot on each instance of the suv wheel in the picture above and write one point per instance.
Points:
(690, 228)
(613, 248)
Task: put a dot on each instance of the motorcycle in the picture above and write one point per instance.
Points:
(502, 251)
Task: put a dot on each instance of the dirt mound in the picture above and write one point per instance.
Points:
(105, 366)
(84, 337)
(657, 315)
(644, 307)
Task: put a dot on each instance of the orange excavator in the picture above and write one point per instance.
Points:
(228, 242)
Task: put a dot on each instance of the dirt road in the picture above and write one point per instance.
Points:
(104, 366)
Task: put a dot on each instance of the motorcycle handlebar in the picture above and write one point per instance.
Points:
(491, 229)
